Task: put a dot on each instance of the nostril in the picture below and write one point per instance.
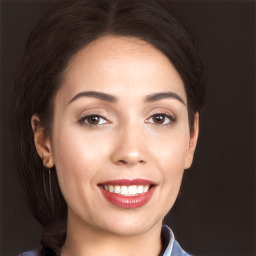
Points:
(122, 162)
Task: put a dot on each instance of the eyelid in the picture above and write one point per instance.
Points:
(82, 120)
(172, 118)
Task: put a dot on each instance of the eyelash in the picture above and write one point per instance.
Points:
(170, 117)
(84, 120)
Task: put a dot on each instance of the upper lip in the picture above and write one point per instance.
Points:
(128, 182)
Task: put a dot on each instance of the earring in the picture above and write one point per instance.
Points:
(50, 185)
(48, 188)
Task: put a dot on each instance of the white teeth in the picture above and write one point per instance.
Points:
(145, 188)
(124, 190)
(117, 189)
(110, 188)
(132, 190)
(140, 189)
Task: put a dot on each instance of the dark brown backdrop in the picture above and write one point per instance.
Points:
(215, 213)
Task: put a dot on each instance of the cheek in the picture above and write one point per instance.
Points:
(171, 164)
(171, 150)
(77, 160)
(171, 158)
(78, 167)
(72, 147)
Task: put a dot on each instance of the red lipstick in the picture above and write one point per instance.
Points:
(111, 190)
(128, 182)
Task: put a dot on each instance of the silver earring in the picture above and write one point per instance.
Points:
(48, 187)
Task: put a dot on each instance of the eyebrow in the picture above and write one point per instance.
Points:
(93, 94)
(163, 95)
(110, 98)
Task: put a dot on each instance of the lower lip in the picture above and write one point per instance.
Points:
(128, 201)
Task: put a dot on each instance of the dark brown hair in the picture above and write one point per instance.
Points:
(65, 29)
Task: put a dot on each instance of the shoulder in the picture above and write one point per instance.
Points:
(29, 253)
(44, 251)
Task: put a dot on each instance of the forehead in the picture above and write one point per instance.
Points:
(121, 65)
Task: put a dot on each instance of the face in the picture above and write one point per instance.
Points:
(120, 138)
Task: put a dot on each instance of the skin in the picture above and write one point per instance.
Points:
(126, 143)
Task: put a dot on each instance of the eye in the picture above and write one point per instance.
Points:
(161, 118)
(93, 120)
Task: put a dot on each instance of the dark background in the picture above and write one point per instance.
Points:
(215, 212)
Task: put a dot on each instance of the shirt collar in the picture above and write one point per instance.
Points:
(167, 241)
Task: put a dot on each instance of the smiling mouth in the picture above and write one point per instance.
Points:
(128, 193)
(132, 190)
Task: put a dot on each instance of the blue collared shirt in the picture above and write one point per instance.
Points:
(170, 246)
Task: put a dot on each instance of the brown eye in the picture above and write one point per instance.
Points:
(93, 120)
(161, 119)
(158, 119)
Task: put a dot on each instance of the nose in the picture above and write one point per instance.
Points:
(129, 148)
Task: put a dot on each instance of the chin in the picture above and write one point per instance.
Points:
(130, 224)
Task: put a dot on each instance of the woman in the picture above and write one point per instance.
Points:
(105, 121)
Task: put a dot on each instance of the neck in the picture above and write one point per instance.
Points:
(83, 240)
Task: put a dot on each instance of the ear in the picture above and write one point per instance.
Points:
(42, 142)
(192, 142)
